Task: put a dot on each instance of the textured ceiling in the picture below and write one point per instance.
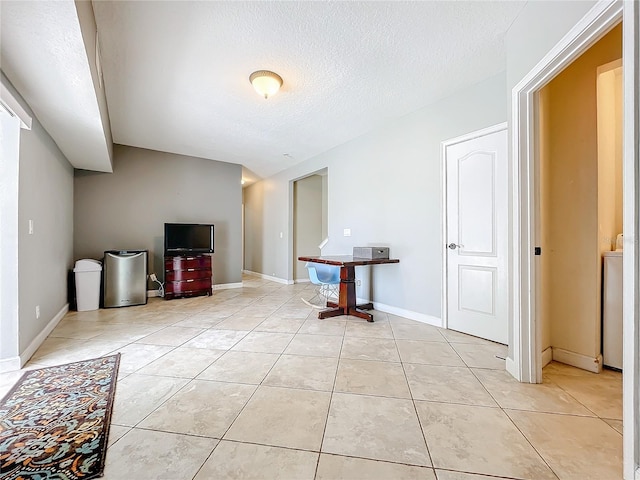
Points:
(176, 72)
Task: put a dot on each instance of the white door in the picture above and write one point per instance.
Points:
(476, 234)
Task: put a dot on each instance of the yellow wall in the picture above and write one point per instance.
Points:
(571, 269)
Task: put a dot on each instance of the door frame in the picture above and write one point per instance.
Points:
(444, 224)
(525, 362)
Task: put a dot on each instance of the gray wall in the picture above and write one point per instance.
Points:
(127, 209)
(386, 187)
(45, 195)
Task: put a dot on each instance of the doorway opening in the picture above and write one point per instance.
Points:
(524, 359)
(579, 202)
(310, 219)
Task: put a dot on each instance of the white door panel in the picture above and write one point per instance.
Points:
(476, 218)
(477, 287)
(476, 222)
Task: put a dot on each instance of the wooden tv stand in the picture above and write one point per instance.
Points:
(187, 276)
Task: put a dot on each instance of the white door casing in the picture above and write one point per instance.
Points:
(476, 234)
(524, 361)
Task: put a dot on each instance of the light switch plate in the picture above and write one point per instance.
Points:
(347, 232)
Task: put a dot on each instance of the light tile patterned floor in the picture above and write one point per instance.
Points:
(249, 383)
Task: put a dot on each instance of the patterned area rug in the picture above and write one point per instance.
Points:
(54, 423)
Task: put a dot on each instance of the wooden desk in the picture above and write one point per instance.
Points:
(347, 296)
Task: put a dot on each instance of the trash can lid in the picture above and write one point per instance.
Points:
(88, 265)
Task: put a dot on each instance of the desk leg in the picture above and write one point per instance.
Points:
(356, 312)
(331, 312)
(347, 298)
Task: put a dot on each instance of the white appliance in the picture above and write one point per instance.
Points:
(612, 310)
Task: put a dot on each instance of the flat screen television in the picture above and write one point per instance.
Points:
(181, 238)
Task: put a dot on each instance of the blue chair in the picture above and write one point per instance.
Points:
(327, 280)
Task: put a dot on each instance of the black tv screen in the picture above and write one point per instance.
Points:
(188, 238)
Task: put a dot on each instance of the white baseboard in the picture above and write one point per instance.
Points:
(510, 366)
(226, 286)
(269, 277)
(42, 336)
(547, 356)
(401, 312)
(153, 293)
(10, 364)
(302, 280)
(578, 360)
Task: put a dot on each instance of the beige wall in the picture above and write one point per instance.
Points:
(253, 226)
(307, 221)
(325, 205)
(572, 267)
(127, 209)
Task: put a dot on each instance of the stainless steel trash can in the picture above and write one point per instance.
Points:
(125, 278)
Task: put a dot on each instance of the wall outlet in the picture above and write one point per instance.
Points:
(358, 283)
(347, 232)
(37, 311)
(281, 234)
(30, 227)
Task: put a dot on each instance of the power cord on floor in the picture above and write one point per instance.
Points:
(160, 284)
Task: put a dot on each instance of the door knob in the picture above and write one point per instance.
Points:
(453, 246)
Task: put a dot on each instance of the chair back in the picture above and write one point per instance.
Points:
(320, 274)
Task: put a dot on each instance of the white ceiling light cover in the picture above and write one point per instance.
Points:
(266, 83)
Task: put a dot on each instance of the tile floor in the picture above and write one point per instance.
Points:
(249, 383)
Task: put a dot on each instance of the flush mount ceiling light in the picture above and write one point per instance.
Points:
(265, 82)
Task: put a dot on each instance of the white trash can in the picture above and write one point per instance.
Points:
(88, 273)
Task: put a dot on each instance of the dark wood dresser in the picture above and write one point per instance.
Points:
(187, 276)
